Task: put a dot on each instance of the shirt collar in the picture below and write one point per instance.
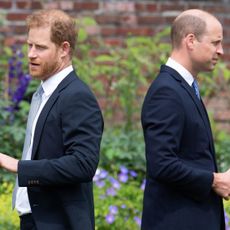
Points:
(51, 83)
(181, 70)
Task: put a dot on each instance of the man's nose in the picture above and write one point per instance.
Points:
(32, 52)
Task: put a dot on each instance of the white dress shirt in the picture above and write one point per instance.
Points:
(22, 202)
(181, 70)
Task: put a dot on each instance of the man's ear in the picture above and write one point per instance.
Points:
(190, 41)
(65, 49)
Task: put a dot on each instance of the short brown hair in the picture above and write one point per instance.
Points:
(62, 26)
(185, 25)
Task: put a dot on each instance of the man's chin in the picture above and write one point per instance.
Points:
(210, 68)
(35, 76)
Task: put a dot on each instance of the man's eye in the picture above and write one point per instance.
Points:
(41, 47)
(216, 43)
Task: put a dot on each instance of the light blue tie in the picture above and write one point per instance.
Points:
(196, 88)
(34, 107)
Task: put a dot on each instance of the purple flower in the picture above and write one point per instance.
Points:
(111, 191)
(19, 54)
(143, 184)
(18, 81)
(123, 206)
(100, 183)
(133, 173)
(110, 218)
(123, 177)
(102, 197)
(21, 90)
(103, 174)
(124, 170)
(226, 221)
(113, 209)
(137, 220)
(115, 183)
(100, 174)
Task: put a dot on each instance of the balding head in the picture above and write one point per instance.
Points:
(193, 21)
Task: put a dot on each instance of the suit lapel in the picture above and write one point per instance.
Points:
(209, 127)
(45, 111)
(199, 104)
(200, 107)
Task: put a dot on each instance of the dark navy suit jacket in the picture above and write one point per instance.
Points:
(64, 159)
(180, 159)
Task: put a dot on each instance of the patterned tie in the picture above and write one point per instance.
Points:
(34, 107)
(196, 88)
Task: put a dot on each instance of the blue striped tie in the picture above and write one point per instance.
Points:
(196, 88)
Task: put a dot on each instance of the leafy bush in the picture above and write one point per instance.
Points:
(122, 148)
(8, 219)
(120, 74)
(227, 214)
(222, 145)
(118, 199)
(13, 106)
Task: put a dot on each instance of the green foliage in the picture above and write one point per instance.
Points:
(12, 130)
(13, 115)
(218, 80)
(117, 195)
(222, 147)
(118, 199)
(2, 22)
(120, 74)
(83, 24)
(227, 214)
(3, 65)
(8, 219)
(122, 148)
(223, 150)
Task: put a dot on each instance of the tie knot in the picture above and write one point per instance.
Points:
(196, 88)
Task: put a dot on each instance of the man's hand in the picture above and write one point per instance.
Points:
(8, 163)
(221, 184)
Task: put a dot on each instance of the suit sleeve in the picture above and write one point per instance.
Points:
(81, 128)
(163, 119)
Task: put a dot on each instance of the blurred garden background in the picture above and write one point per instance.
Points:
(120, 47)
